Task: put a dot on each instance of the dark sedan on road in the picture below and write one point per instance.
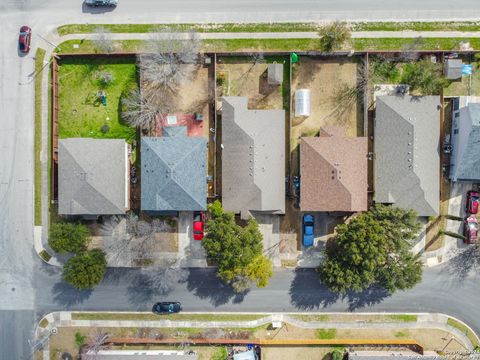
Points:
(165, 308)
(473, 198)
(470, 230)
(24, 39)
(111, 3)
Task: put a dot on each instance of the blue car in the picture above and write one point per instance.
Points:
(308, 226)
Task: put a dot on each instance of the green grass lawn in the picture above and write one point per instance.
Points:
(271, 27)
(471, 336)
(39, 57)
(81, 114)
(155, 317)
(246, 45)
(326, 334)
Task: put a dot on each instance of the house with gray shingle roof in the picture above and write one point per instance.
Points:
(407, 158)
(174, 172)
(93, 177)
(253, 158)
(465, 138)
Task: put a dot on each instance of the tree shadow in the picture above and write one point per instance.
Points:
(67, 296)
(369, 297)
(205, 284)
(466, 262)
(308, 293)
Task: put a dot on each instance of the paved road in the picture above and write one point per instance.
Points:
(28, 288)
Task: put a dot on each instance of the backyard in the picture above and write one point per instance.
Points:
(81, 112)
(247, 76)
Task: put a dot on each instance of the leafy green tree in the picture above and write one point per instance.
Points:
(425, 77)
(68, 237)
(86, 269)
(334, 35)
(374, 248)
(336, 355)
(237, 251)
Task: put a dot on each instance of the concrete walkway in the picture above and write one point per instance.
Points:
(273, 35)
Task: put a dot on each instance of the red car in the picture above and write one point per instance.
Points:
(473, 199)
(24, 39)
(470, 230)
(198, 225)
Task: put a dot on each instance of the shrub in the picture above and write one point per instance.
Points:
(68, 237)
(105, 78)
(425, 77)
(337, 355)
(79, 339)
(334, 35)
(105, 128)
(86, 269)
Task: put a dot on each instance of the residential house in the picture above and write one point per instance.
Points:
(407, 158)
(93, 177)
(253, 158)
(174, 172)
(465, 140)
(333, 172)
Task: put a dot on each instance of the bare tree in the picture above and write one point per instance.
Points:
(142, 108)
(97, 340)
(127, 239)
(170, 59)
(101, 40)
(165, 276)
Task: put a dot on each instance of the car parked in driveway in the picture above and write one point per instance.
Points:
(165, 308)
(198, 225)
(111, 3)
(308, 230)
(470, 230)
(24, 39)
(473, 199)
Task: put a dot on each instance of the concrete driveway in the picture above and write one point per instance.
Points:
(190, 251)
(269, 226)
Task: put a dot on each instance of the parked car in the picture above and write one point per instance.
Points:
(470, 230)
(24, 39)
(163, 308)
(308, 227)
(198, 225)
(111, 3)
(473, 199)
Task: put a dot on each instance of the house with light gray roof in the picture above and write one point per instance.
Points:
(406, 147)
(253, 158)
(465, 139)
(174, 172)
(93, 177)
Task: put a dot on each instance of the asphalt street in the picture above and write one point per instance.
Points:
(29, 288)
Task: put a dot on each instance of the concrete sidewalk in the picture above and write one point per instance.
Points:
(272, 35)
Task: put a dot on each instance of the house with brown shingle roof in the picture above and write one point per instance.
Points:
(333, 172)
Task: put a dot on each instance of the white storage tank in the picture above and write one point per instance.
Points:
(302, 102)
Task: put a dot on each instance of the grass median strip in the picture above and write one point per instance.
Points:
(357, 318)
(246, 45)
(39, 58)
(459, 326)
(269, 27)
(174, 317)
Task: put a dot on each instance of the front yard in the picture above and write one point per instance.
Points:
(81, 112)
